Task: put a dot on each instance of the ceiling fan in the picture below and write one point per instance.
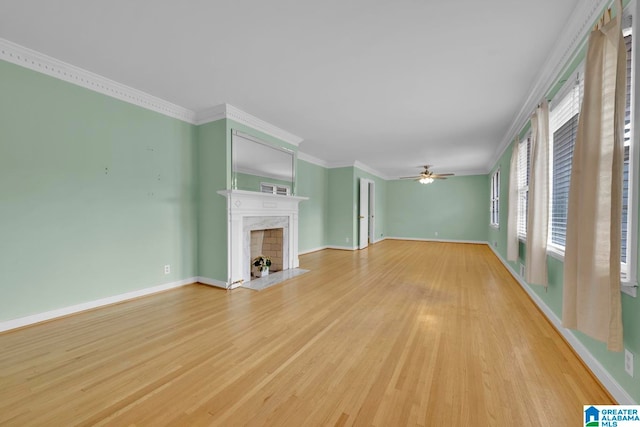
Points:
(426, 176)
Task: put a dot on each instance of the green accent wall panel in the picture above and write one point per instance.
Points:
(456, 209)
(96, 195)
(342, 208)
(213, 175)
(313, 182)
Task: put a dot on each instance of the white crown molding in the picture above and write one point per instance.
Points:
(336, 165)
(359, 165)
(228, 111)
(36, 61)
(311, 159)
(25, 57)
(370, 170)
(211, 114)
(567, 46)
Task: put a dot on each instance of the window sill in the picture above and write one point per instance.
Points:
(629, 288)
(555, 252)
(626, 287)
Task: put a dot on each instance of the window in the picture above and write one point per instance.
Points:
(495, 199)
(564, 118)
(626, 252)
(266, 187)
(524, 163)
(563, 127)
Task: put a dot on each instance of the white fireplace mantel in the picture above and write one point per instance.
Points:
(245, 209)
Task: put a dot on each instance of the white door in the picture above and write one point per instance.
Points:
(363, 215)
(372, 209)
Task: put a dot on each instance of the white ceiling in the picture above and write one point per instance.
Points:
(391, 84)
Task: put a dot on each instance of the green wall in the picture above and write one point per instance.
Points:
(96, 195)
(342, 208)
(213, 175)
(456, 208)
(313, 182)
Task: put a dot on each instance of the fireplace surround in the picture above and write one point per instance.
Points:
(247, 211)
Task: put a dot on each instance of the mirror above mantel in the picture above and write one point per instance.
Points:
(260, 166)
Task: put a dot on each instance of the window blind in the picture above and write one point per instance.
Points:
(563, 143)
(524, 163)
(266, 187)
(563, 124)
(627, 144)
(495, 198)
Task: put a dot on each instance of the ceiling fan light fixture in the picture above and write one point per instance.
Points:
(426, 180)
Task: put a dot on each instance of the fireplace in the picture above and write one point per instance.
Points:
(268, 243)
(255, 228)
(251, 211)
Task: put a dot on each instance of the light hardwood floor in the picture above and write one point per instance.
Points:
(402, 333)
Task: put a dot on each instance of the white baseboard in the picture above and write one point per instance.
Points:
(65, 311)
(308, 251)
(473, 242)
(607, 380)
(342, 248)
(211, 282)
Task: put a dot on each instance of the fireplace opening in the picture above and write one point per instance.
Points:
(269, 243)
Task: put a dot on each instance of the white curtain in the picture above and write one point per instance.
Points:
(591, 292)
(512, 214)
(538, 209)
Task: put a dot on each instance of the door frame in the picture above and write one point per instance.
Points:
(366, 198)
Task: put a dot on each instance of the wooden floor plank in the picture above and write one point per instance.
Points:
(401, 333)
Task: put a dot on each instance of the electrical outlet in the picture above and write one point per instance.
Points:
(521, 270)
(436, 234)
(167, 269)
(495, 243)
(628, 362)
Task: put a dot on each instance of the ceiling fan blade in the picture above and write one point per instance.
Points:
(410, 177)
(443, 174)
(438, 177)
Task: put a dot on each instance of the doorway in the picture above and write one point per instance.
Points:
(366, 215)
